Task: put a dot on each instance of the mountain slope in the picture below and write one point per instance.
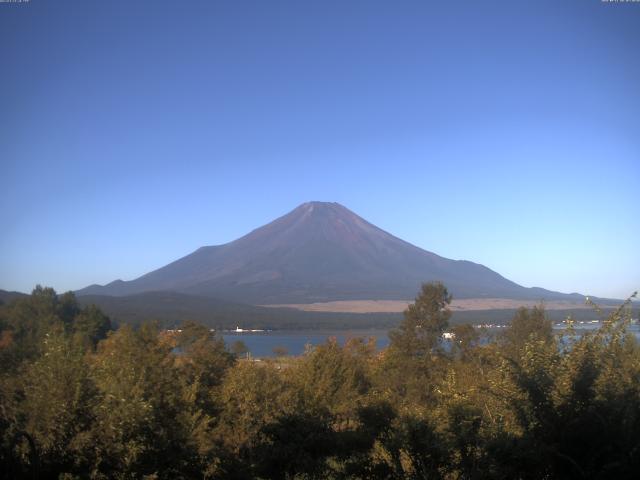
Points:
(319, 252)
(8, 297)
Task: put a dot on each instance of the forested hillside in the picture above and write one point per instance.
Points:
(170, 309)
(81, 400)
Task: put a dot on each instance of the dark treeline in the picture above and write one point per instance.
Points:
(81, 400)
(169, 308)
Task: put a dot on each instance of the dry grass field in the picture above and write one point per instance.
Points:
(393, 306)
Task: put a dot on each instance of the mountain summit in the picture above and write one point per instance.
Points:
(319, 252)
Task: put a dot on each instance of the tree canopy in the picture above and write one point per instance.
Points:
(81, 400)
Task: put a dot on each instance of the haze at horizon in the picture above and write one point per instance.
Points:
(134, 133)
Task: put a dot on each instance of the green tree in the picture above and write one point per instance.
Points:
(202, 362)
(527, 325)
(91, 325)
(250, 397)
(414, 363)
(465, 340)
(139, 428)
(56, 400)
(296, 445)
(204, 358)
(333, 380)
(410, 449)
(424, 322)
(29, 319)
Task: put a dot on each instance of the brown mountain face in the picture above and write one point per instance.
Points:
(319, 252)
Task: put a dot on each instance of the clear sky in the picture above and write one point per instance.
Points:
(506, 133)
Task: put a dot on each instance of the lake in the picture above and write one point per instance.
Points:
(262, 344)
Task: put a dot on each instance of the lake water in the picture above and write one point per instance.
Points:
(262, 344)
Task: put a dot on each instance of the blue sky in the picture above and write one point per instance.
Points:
(506, 133)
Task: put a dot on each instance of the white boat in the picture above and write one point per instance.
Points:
(245, 330)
